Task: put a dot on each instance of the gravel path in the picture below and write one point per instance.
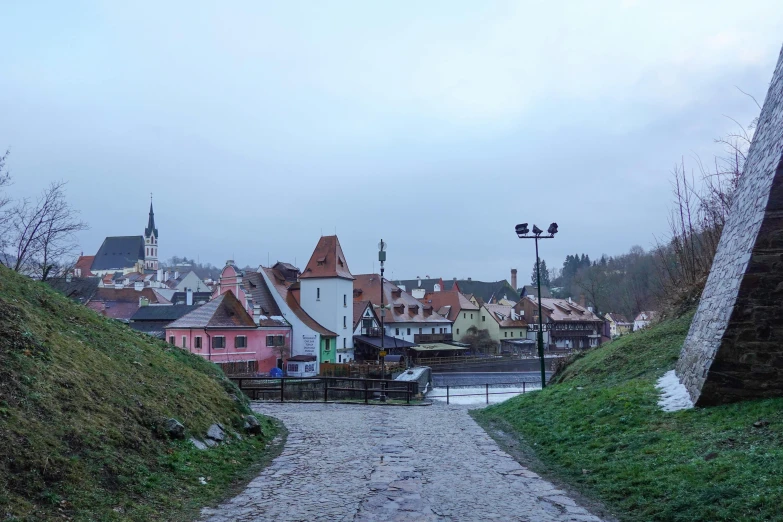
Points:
(375, 463)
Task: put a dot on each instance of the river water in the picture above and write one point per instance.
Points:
(471, 388)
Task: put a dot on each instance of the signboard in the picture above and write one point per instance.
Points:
(310, 344)
(383, 353)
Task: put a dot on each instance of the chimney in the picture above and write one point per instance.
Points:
(470, 279)
(159, 275)
(189, 296)
(143, 301)
(257, 312)
(176, 274)
(418, 279)
(514, 278)
(230, 262)
(165, 276)
(582, 300)
(138, 286)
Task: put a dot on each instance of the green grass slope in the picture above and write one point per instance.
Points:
(599, 429)
(82, 405)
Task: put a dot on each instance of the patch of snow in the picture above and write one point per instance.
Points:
(278, 318)
(674, 395)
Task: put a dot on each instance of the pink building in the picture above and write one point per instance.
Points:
(223, 332)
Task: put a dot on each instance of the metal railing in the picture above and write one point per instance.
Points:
(486, 393)
(326, 389)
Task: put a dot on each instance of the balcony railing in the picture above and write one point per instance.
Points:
(371, 332)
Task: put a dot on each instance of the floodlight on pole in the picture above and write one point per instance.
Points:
(523, 232)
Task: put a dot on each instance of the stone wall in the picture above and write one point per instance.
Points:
(734, 349)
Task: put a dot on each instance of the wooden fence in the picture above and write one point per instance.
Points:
(326, 389)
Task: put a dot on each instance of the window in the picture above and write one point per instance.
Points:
(345, 321)
(345, 300)
(240, 341)
(457, 331)
(464, 315)
(184, 341)
(409, 331)
(419, 330)
(197, 342)
(218, 342)
(483, 317)
(512, 333)
(340, 358)
(433, 330)
(471, 316)
(505, 334)
(344, 341)
(317, 294)
(327, 345)
(275, 340)
(171, 340)
(396, 331)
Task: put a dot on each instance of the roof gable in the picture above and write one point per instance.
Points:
(327, 260)
(119, 252)
(225, 311)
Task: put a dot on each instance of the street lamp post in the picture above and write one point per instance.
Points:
(382, 259)
(524, 233)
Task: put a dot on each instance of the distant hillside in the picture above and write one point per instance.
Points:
(83, 402)
(599, 429)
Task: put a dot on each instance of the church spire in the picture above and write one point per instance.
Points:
(151, 223)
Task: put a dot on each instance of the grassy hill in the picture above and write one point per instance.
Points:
(83, 400)
(599, 429)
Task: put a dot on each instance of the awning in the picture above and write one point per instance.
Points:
(434, 347)
(388, 342)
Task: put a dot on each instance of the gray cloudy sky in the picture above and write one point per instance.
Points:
(436, 125)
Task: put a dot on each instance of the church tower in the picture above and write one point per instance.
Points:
(151, 242)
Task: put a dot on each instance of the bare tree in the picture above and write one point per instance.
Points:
(5, 200)
(594, 283)
(43, 234)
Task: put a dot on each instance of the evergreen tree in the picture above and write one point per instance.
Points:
(545, 279)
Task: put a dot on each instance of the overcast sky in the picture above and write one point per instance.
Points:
(438, 126)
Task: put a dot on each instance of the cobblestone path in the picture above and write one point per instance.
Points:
(358, 463)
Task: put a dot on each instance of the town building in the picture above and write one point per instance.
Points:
(310, 338)
(503, 323)
(124, 254)
(325, 293)
(485, 292)
(618, 324)
(644, 319)
(367, 339)
(457, 308)
(567, 325)
(407, 318)
(153, 320)
(223, 332)
(122, 303)
(419, 287)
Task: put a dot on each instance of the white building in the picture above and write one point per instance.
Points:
(326, 290)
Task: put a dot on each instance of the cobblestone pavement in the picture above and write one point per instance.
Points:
(360, 463)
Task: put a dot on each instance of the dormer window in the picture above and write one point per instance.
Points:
(321, 261)
(340, 261)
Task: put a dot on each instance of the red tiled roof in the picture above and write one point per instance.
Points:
(452, 299)
(401, 306)
(84, 263)
(327, 260)
(282, 287)
(125, 295)
(560, 310)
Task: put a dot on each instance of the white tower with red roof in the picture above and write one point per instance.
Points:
(326, 294)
